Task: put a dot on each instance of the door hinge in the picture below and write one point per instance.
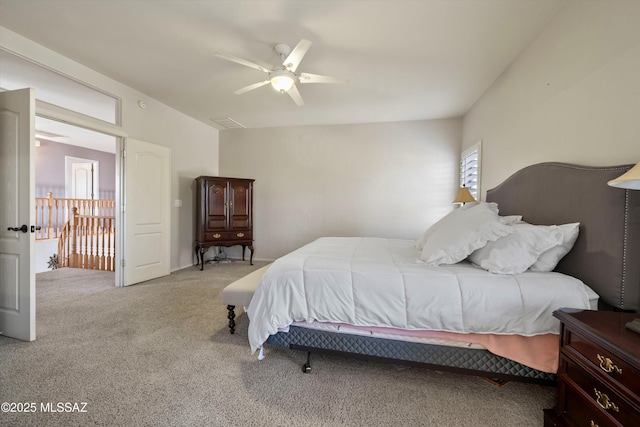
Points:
(122, 263)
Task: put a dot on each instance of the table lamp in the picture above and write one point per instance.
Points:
(630, 181)
(464, 196)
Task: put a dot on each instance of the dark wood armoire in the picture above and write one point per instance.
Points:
(224, 214)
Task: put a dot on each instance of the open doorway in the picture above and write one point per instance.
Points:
(75, 183)
(63, 101)
(65, 109)
(66, 101)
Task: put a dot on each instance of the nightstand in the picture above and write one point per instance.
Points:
(599, 370)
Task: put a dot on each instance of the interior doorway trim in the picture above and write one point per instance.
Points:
(54, 112)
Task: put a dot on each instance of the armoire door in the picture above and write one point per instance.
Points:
(217, 201)
(240, 212)
(240, 198)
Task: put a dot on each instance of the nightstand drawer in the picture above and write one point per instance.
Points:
(580, 410)
(603, 361)
(598, 374)
(601, 396)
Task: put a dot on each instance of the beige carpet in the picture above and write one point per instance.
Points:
(160, 354)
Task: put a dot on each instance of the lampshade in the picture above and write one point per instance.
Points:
(282, 80)
(464, 196)
(630, 179)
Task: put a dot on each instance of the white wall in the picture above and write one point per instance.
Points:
(44, 250)
(194, 145)
(386, 179)
(573, 95)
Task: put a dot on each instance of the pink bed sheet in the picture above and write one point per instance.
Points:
(538, 352)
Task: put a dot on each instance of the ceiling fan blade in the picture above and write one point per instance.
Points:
(241, 61)
(251, 87)
(295, 95)
(292, 62)
(317, 78)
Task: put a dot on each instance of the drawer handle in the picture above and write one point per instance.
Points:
(607, 365)
(603, 400)
(240, 234)
(217, 236)
(592, 424)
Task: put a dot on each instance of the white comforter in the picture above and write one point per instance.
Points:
(378, 282)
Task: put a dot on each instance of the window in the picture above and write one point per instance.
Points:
(470, 160)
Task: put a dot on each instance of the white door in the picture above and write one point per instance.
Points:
(81, 187)
(147, 211)
(81, 178)
(17, 209)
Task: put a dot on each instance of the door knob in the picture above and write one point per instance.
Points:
(24, 228)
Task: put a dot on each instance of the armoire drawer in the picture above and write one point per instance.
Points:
(243, 235)
(208, 237)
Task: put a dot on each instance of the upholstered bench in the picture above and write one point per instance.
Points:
(240, 292)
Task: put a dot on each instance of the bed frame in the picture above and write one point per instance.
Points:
(606, 257)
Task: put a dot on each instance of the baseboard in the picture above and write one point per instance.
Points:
(232, 259)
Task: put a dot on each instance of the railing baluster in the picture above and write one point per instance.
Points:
(101, 246)
(38, 216)
(111, 253)
(85, 237)
(93, 257)
(85, 240)
(74, 243)
(50, 213)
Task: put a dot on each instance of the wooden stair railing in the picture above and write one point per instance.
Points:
(87, 241)
(52, 213)
(64, 248)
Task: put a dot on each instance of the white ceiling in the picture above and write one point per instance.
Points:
(403, 59)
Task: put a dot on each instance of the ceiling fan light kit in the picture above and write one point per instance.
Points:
(283, 78)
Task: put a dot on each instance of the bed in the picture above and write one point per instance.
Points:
(599, 271)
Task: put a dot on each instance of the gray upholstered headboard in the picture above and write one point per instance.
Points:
(606, 255)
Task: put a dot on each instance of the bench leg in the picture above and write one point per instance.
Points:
(231, 315)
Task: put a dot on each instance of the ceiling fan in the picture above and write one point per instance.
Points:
(283, 77)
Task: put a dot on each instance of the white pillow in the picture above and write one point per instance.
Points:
(511, 219)
(515, 253)
(461, 232)
(421, 241)
(548, 260)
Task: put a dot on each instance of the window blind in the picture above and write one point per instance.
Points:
(470, 170)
